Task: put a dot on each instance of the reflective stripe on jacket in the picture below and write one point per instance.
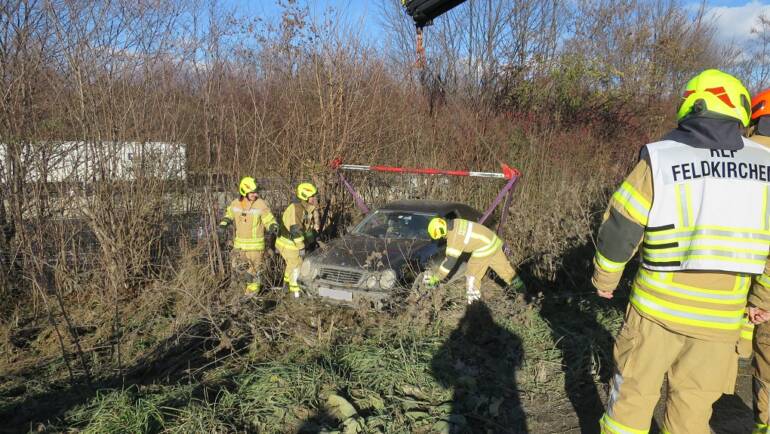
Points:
(250, 219)
(702, 304)
(299, 215)
(467, 236)
(657, 295)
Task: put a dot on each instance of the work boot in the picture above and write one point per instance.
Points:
(253, 288)
(294, 290)
(473, 294)
(254, 285)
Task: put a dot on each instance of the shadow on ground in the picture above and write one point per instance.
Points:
(478, 362)
(574, 313)
(317, 423)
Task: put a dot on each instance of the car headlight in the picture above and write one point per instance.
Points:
(308, 270)
(372, 281)
(388, 279)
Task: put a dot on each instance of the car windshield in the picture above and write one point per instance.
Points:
(395, 224)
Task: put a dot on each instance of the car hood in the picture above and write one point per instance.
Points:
(373, 254)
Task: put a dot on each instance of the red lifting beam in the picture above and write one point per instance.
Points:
(508, 173)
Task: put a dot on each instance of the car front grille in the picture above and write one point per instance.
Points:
(340, 276)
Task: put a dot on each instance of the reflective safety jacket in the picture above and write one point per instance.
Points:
(297, 219)
(710, 209)
(467, 236)
(250, 219)
(688, 299)
(758, 297)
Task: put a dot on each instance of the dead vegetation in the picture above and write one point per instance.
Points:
(118, 317)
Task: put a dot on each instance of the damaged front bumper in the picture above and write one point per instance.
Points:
(348, 286)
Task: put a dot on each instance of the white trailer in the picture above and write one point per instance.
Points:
(87, 162)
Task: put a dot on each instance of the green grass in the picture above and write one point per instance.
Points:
(120, 411)
(397, 377)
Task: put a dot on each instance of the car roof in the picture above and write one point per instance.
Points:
(438, 207)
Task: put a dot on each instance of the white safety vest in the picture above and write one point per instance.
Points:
(709, 210)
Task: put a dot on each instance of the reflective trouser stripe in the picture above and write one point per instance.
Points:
(611, 426)
(249, 244)
(286, 243)
(489, 249)
(293, 262)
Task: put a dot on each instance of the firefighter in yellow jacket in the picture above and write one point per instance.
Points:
(299, 228)
(485, 248)
(696, 202)
(760, 132)
(252, 218)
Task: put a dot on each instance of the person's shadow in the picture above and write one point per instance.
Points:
(479, 362)
(574, 313)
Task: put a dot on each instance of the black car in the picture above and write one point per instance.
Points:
(382, 256)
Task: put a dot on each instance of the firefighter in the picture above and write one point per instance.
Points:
(696, 203)
(759, 131)
(486, 250)
(299, 229)
(252, 218)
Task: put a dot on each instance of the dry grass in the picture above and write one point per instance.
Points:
(119, 296)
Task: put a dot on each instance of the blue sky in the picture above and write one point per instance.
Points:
(733, 17)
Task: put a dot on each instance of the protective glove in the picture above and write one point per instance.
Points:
(301, 253)
(517, 284)
(310, 237)
(432, 281)
(272, 229)
(253, 288)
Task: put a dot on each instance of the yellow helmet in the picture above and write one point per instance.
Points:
(715, 92)
(306, 190)
(248, 185)
(437, 228)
